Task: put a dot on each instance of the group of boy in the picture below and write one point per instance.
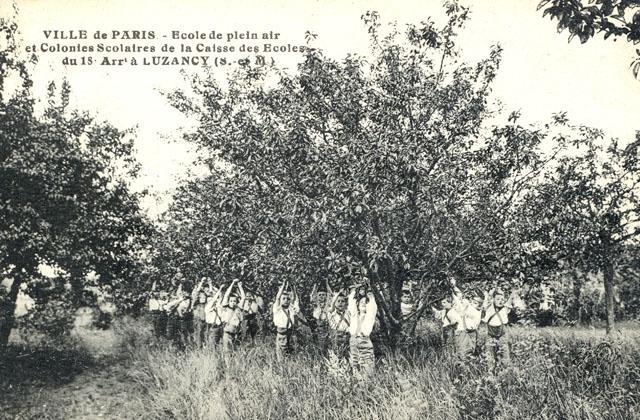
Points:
(463, 316)
(341, 321)
(207, 315)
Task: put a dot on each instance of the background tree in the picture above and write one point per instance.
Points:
(585, 211)
(65, 197)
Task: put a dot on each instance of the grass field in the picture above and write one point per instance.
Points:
(555, 373)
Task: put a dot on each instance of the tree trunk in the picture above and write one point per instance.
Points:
(608, 294)
(7, 311)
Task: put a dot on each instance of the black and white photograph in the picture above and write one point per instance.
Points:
(320, 209)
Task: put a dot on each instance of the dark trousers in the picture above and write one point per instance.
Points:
(250, 327)
(199, 332)
(340, 344)
(215, 334)
(284, 346)
(159, 321)
(183, 331)
(321, 336)
(172, 327)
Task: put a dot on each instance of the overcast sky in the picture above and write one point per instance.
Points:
(540, 74)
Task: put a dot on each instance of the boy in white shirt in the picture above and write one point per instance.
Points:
(362, 310)
(198, 302)
(211, 315)
(253, 308)
(321, 311)
(180, 309)
(156, 303)
(497, 318)
(466, 337)
(339, 324)
(285, 310)
(450, 318)
(231, 314)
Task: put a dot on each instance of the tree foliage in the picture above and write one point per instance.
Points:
(65, 198)
(583, 19)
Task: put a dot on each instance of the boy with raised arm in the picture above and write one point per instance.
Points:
(232, 315)
(450, 319)
(157, 300)
(321, 311)
(285, 310)
(497, 318)
(198, 302)
(212, 316)
(252, 308)
(469, 307)
(339, 324)
(180, 309)
(362, 310)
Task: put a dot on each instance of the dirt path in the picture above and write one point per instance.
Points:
(65, 385)
(93, 394)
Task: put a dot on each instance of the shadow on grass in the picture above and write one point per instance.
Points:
(22, 367)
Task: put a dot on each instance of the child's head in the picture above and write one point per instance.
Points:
(498, 298)
(407, 296)
(202, 297)
(341, 303)
(446, 303)
(321, 298)
(250, 297)
(476, 301)
(233, 301)
(362, 303)
(285, 299)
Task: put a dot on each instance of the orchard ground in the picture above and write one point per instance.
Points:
(123, 372)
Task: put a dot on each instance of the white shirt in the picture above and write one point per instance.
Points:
(496, 319)
(449, 317)
(211, 314)
(156, 304)
(471, 318)
(321, 313)
(232, 318)
(339, 322)
(181, 306)
(361, 324)
(285, 317)
(406, 309)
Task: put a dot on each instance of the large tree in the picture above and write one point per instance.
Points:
(65, 198)
(385, 166)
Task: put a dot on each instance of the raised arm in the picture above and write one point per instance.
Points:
(279, 294)
(173, 304)
(328, 287)
(260, 303)
(227, 294)
(352, 304)
(243, 296)
(314, 294)
(216, 296)
(295, 303)
(334, 299)
(372, 306)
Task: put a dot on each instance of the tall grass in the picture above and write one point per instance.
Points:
(553, 374)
